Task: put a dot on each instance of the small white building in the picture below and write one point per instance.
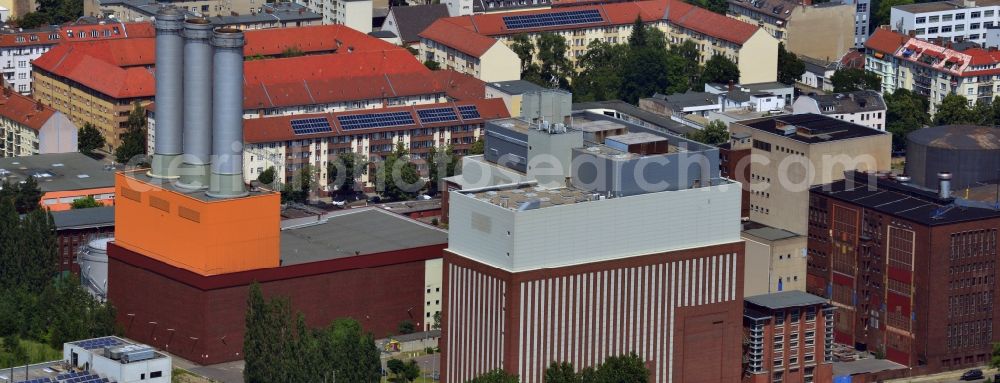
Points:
(864, 107)
(115, 359)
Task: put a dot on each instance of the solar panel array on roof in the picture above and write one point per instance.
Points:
(92, 344)
(437, 115)
(552, 19)
(39, 380)
(469, 112)
(81, 377)
(311, 126)
(375, 120)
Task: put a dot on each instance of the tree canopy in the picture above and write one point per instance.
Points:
(278, 348)
(714, 133)
(905, 112)
(85, 203)
(343, 173)
(790, 67)
(852, 79)
(89, 139)
(398, 176)
(266, 177)
(720, 69)
(133, 140)
(954, 109)
(495, 376)
(52, 12)
(440, 164)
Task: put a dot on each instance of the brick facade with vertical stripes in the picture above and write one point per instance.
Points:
(680, 311)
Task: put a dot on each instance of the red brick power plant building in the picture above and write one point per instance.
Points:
(911, 271)
(540, 271)
(190, 238)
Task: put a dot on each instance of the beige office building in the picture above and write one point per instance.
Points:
(792, 153)
(775, 260)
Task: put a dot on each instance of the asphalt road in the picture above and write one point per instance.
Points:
(946, 377)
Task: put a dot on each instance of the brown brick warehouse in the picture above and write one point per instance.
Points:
(680, 311)
(911, 272)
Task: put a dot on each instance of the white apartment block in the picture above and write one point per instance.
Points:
(356, 14)
(864, 107)
(954, 20)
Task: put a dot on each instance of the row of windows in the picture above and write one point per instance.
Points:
(970, 304)
(954, 16)
(970, 334)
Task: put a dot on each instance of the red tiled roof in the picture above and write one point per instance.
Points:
(623, 13)
(886, 41)
(446, 32)
(710, 23)
(278, 128)
(118, 68)
(460, 86)
(24, 110)
(43, 36)
(317, 38)
(981, 56)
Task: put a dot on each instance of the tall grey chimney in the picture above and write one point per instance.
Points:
(169, 69)
(226, 180)
(197, 104)
(944, 191)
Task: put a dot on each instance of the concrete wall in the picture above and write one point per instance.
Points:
(758, 59)
(673, 171)
(58, 135)
(823, 32)
(499, 63)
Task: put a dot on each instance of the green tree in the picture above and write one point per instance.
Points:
(720, 69)
(437, 319)
(622, 369)
(522, 46)
(995, 358)
(714, 133)
(478, 147)
(561, 372)
(406, 327)
(495, 376)
(600, 76)
(882, 9)
(28, 196)
(292, 51)
(342, 174)
(398, 176)
(267, 176)
(717, 6)
(133, 140)
(395, 367)
(85, 203)
(790, 67)
(555, 68)
(852, 79)
(905, 112)
(440, 164)
(89, 139)
(432, 65)
(690, 56)
(32, 20)
(954, 110)
(255, 342)
(638, 38)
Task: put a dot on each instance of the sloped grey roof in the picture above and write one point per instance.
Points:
(413, 19)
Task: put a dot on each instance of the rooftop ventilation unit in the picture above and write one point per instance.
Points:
(788, 130)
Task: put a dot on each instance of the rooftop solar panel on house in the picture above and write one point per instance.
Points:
(91, 344)
(311, 126)
(469, 112)
(375, 120)
(437, 115)
(552, 19)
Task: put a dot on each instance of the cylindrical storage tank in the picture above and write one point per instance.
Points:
(970, 153)
(169, 109)
(94, 266)
(197, 104)
(227, 115)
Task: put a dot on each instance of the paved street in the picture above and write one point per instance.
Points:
(945, 377)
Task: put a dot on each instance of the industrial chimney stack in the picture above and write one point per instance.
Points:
(169, 111)
(944, 191)
(226, 180)
(197, 104)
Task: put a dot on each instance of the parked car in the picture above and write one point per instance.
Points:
(975, 374)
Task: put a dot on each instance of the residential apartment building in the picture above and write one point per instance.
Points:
(911, 271)
(798, 151)
(512, 93)
(206, 8)
(268, 15)
(279, 142)
(99, 82)
(789, 338)
(533, 274)
(824, 30)
(953, 20)
(932, 70)
(751, 48)
(27, 127)
(406, 22)
(468, 7)
(863, 107)
(460, 49)
(18, 47)
(356, 14)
